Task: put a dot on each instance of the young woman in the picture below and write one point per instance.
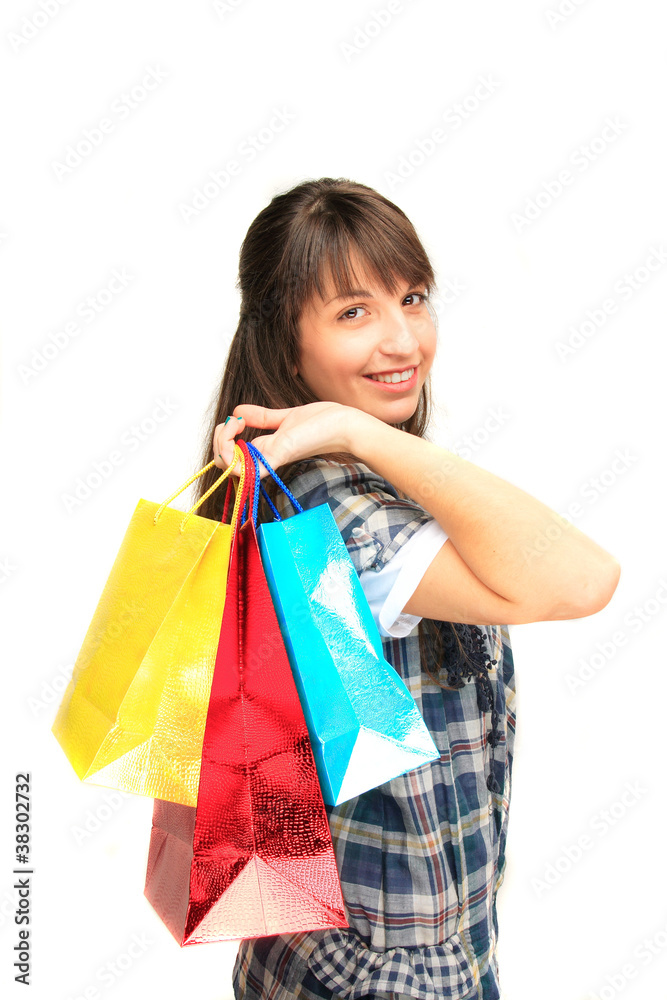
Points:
(328, 372)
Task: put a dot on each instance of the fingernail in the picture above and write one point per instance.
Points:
(239, 418)
(227, 420)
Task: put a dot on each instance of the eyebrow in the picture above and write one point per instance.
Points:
(363, 292)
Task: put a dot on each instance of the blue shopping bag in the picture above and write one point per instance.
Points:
(363, 723)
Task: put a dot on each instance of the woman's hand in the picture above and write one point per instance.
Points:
(300, 432)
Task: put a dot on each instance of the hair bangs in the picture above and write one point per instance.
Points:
(338, 253)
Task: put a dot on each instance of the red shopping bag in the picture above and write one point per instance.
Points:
(255, 856)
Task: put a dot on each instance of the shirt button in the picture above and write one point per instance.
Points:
(357, 531)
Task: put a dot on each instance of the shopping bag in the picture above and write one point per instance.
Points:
(364, 725)
(255, 857)
(133, 714)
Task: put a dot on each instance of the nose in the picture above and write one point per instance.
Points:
(398, 337)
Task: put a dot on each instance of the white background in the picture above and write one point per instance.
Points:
(361, 97)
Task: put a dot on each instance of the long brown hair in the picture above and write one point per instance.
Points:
(300, 238)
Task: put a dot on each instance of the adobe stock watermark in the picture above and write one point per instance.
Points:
(591, 491)
(246, 152)
(88, 309)
(453, 118)
(125, 614)
(580, 159)
(598, 826)
(222, 7)
(625, 288)
(562, 12)
(32, 24)
(424, 489)
(7, 569)
(449, 291)
(635, 620)
(122, 107)
(130, 441)
(364, 34)
(50, 691)
(642, 955)
(95, 819)
(108, 974)
(466, 446)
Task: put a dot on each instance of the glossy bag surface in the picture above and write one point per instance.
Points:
(364, 725)
(255, 857)
(133, 714)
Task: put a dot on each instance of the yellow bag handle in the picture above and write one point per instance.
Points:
(238, 455)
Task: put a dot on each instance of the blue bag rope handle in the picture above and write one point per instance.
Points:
(256, 454)
(255, 495)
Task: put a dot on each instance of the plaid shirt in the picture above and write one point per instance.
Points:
(422, 856)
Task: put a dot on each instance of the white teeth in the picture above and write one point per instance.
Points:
(395, 376)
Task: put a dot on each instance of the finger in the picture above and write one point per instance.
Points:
(261, 416)
(263, 445)
(223, 444)
(223, 463)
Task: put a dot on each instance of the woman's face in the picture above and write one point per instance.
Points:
(346, 341)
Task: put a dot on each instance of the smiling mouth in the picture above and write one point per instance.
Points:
(394, 376)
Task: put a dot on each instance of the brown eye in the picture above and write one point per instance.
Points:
(352, 309)
(422, 296)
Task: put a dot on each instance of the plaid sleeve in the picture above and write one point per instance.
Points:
(373, 520)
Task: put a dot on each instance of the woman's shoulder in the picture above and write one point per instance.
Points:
(369, 512)
(318, 479)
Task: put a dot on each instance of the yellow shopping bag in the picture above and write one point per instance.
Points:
(134, 713)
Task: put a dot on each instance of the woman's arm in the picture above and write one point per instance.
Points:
(508, 559)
